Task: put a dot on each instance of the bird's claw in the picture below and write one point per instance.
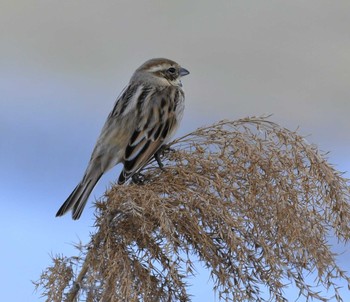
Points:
(138, 178)
(165, 149)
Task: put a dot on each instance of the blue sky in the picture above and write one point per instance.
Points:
(63, 63)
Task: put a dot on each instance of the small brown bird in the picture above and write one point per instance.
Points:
(145, 117)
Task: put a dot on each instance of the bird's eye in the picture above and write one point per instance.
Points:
(171, 70)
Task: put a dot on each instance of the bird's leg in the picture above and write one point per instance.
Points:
(157, 158)
(162, 150)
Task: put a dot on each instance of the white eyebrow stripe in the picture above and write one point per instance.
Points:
(156, 68)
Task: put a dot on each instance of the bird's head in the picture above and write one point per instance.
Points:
(160, 71)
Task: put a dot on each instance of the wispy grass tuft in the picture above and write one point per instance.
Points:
(252, 200)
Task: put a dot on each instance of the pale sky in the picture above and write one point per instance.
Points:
(63, 63)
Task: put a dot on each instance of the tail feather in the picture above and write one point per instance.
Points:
(76, 201)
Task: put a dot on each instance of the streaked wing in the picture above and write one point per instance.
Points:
(157, 122)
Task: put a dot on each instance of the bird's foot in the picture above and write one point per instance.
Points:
(165, 149)
(138, 178)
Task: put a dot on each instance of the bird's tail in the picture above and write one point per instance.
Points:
(78, 198)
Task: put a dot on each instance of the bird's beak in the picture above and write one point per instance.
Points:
(183, 72)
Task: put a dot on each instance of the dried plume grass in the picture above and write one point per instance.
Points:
(252, 200)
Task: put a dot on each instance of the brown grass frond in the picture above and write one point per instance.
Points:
(250, 199)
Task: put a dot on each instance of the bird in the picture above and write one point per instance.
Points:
(144, 118)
